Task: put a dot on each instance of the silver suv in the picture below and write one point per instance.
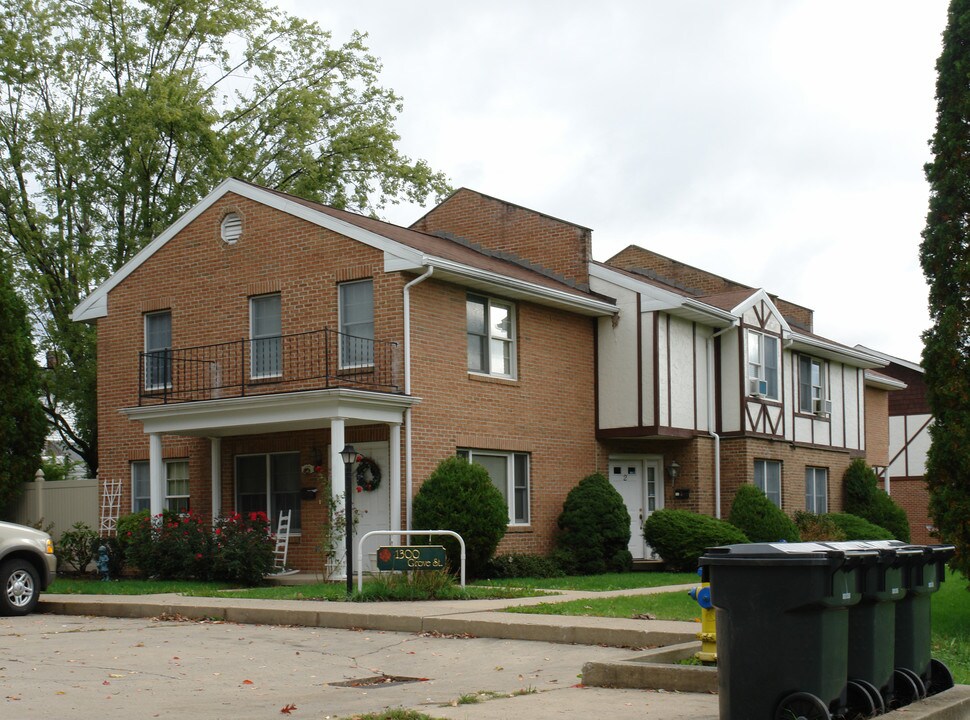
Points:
(27, 566)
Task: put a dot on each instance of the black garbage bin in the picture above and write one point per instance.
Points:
(921, 578)
(872, 628)
(782, 627)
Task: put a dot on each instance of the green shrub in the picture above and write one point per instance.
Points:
(864, 498)
(77, 546)
(857, 528)
(243, 548)
(168, 547)
(460, 496)
(681, 537)
(814, 528)
(759, 518)
(522, 566)
(594, 529)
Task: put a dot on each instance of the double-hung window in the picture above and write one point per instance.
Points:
(269, 483)
(811, 385)
(158, 350)
(767, 478)
(509, 472)
(356, 310)
(764, 360)
(176, 486)
(816, 490)
(491, 336)
(265, 328)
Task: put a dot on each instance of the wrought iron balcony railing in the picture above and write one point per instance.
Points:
(321, 359)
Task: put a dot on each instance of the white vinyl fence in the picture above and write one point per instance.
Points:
(61, 503)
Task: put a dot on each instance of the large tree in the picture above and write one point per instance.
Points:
(945, 256)
(22, 424)
(118, 115)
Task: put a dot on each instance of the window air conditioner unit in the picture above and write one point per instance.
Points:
(822, 407)
(756, 387)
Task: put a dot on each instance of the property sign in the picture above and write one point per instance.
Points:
(411, 557)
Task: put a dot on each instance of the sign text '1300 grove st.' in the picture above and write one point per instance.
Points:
(411, 557)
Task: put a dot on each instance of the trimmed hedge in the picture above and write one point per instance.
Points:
(594, 529)
(681, 537)
(460, 496)
(857, 528)
(522, 566)
(759, 518)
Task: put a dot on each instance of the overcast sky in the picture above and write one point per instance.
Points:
(780, 144)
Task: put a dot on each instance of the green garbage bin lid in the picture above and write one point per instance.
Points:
(786, 554)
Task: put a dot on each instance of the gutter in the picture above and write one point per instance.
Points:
(408, 464)
(710, 416)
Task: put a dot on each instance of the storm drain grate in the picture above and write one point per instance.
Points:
(377, 681)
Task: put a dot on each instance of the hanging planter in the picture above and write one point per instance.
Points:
(368, 475)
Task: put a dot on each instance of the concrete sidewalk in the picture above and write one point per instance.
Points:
(473, 618)
(479, 618)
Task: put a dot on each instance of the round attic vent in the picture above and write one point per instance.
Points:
(231, 228)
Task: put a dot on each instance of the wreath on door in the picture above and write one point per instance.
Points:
(368, 475)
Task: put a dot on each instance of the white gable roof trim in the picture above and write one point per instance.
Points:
(397, 256)
(664, 300)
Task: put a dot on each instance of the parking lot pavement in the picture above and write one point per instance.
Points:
(58, 666)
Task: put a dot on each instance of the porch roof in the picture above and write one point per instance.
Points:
(282, 412)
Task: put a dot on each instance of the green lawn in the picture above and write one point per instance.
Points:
(662, 606)
(86, 586)
(598, 583)
(951, 627)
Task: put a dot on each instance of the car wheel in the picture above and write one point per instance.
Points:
(21, 587)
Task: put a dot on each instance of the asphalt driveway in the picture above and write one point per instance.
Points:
(59, 666)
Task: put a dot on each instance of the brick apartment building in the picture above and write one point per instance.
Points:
(241, 349)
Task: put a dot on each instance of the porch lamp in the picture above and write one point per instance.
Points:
(349, 456)
(673, 470)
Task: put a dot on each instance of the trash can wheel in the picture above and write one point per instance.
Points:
(940, 678)
(863, 700)
(907, 688)
(802, 706)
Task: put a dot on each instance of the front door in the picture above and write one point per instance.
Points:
(640, 484)
(373, 508)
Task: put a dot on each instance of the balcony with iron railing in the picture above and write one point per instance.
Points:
(316, 360)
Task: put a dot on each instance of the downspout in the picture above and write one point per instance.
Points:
(408, 477)
(710, 419)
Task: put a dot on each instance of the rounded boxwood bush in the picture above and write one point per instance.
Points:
(760, 519)
(459, 496)
(864, 499)
(857, 528)
(594, 529)
(681, 536)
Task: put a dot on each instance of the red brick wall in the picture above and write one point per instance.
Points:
(560, 247)
(547, 411)
(912, 399)
(877, 426)
(911, 494)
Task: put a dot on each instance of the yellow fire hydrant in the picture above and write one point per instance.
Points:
(708, 635)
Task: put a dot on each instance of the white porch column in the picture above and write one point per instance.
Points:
(156, 474)
(394, 474)
(215, 463)
(339, 567)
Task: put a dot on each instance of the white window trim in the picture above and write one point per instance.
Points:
(343, 333)
(167, 385)
(766, 463)
(167, 464)
(168, 496)
(272, 514)
(820, 405)
(511, 339)
(253, 375)
(762, 375)
(470, 453)
(815, 472)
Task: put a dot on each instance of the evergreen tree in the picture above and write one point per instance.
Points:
(22, 424)
(945, 256)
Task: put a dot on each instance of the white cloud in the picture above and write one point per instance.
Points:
(780, 144)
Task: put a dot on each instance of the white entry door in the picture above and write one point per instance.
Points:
(373, 508)
(640, 484)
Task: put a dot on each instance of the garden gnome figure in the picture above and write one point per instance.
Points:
(103, 563)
